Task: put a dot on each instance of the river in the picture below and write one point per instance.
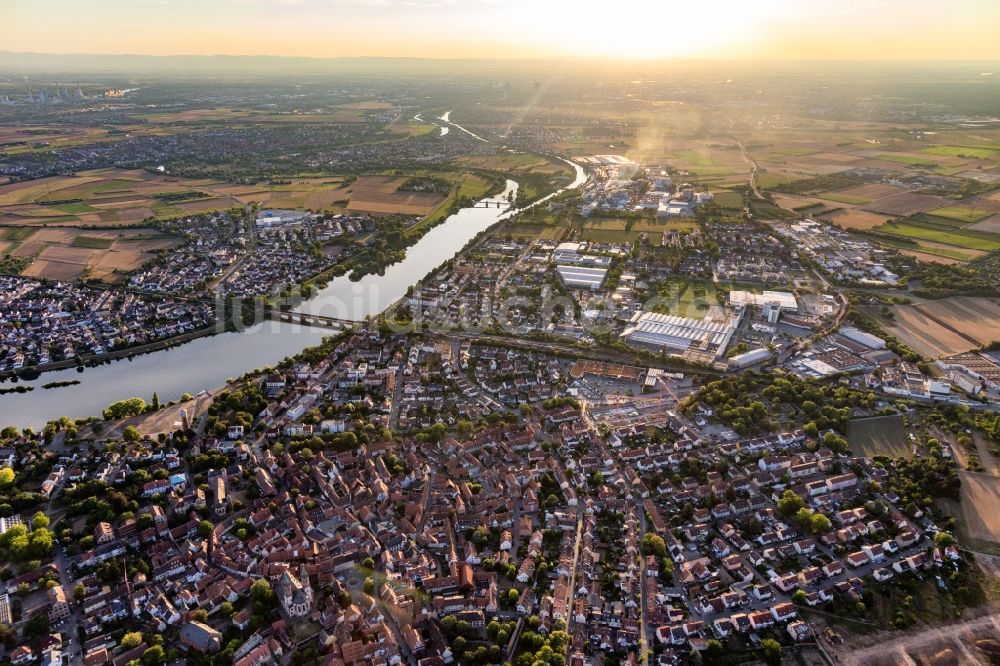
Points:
(207, 363)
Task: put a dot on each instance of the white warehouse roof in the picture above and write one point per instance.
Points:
(581, 276)
(784, 299)
(661, 330)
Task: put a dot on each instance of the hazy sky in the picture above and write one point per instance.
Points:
(807, 29)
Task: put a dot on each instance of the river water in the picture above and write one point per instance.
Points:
(207, 363)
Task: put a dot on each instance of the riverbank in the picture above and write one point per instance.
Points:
(92, 360)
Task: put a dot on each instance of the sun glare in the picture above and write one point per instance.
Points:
(648, 28)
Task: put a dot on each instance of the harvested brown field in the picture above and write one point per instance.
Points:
(947, 326)
(67, 253)
(854, 218)
(990, 225)
(59, 262)
(981, 505)
(933, 258)
(379, 194)
(872, 191)
(28, 249)
(878, 436)
(907, 203)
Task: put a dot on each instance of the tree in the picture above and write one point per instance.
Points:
(7, 476)
(205, 528)
(123, 408)
(790, 503)
(653, 544)
(799, 597)
(262, 594)
(40, 520)
(131, 640)
(154, 656)
(369, 585)
(819, 523)
(943, 539)
(155, 406)
(772, 651)
(131, 435)
(37, 626)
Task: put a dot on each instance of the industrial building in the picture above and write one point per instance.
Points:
(785, 300)
(866, 339)
(672, 333)
(270, 218)
(752, 357)
(581, 277)
(569, 253)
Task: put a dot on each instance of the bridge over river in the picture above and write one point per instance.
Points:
(306, 319)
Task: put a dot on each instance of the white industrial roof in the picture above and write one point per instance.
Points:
(782, 298)
(677, 332)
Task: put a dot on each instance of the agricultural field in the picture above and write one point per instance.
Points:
(530, 231)
(116, 198)
(107, 197)
(68, 253)
(980, 506)
(990, 225)
(878, 436)
(608, 231)
(853, 219)
(946, 326)
(381, 195)
(728, 199)
(906, 203)
(960, 213)
(926, 230)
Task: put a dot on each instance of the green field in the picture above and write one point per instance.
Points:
(606, 236)
(74, 207)
(770, 179)
(659, 226)
(16, 233)
(903, 158)
(962, 151)
(961, 213)
(92, 243)
(731, 200)
(878, 436)
(970, 240)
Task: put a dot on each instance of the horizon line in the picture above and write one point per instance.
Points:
(537, 58)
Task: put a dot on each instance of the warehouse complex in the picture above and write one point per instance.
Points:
(704, 338)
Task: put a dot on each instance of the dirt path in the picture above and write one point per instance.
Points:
(902, 650)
